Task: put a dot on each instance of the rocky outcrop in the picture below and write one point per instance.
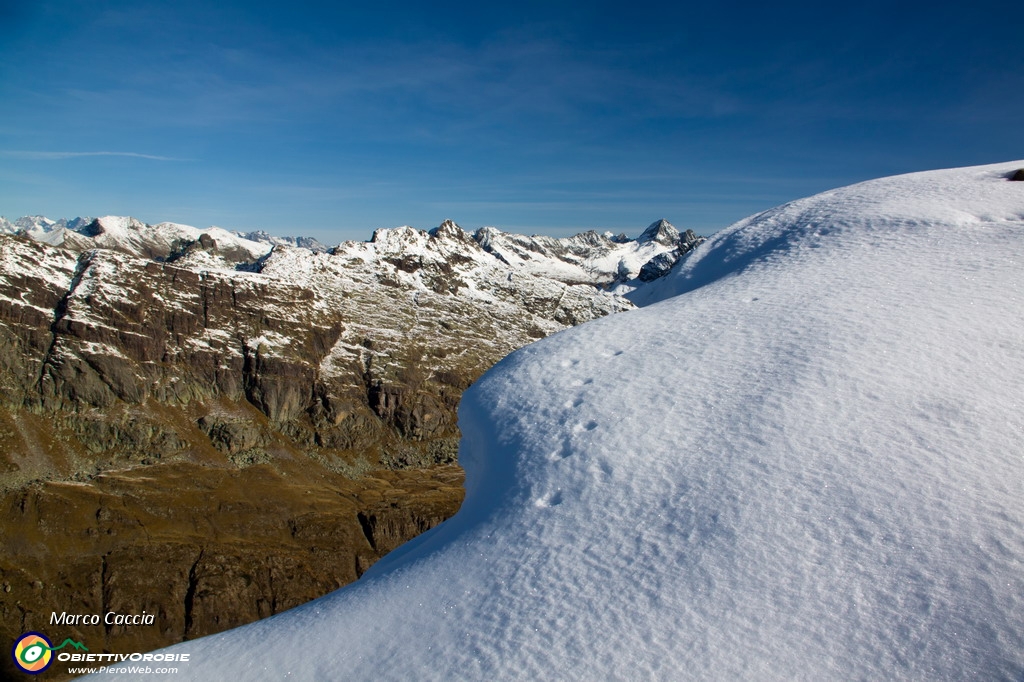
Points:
(659, 266)
(682, 244)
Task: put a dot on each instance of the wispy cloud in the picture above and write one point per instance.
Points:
(54, 156)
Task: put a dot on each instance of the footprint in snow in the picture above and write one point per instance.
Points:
(550, 500)
(562, 452)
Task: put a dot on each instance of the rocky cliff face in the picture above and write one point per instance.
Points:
(131, 353)
(157, 346)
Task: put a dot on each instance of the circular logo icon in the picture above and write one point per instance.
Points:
(32, 653)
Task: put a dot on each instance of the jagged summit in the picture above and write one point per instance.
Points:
(661, 231)
(449, 229)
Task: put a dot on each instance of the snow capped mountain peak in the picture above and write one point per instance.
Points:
(485, 237)
(661, 231)
(388, 234)
(42, 229)
(35, 222)
(264, 237)
(115, 225)
(449, 229)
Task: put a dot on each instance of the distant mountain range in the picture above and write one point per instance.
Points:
(587, 258)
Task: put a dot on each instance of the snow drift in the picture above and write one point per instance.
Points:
(804, 462)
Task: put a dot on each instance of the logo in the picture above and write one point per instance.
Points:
(33, 652)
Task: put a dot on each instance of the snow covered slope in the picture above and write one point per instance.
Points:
(804, 463)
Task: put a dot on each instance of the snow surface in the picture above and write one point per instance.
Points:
(804, 463)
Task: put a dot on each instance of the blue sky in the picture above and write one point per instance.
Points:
(334, 119)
